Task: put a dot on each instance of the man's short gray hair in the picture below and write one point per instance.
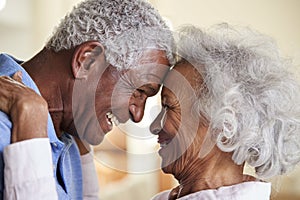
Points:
(124, 27)
(249, 97)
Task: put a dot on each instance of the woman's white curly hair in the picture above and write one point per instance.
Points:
(249, 97)
(124, 27)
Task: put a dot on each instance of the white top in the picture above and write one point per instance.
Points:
(28, 172)
(243, 191)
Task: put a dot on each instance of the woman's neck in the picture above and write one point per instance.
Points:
(215, 170)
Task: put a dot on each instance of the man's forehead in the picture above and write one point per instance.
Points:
(151, 56)
(147, 74)
(152, 67)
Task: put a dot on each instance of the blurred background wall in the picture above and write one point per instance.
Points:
(277, 18)
(25, 25)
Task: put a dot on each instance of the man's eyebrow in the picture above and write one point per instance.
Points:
(155, 76)
(152, 59)
(149, 87)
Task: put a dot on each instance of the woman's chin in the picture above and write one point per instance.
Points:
(167, 169)
(167, 165)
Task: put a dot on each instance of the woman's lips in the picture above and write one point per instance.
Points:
(164, 147)
(163, 142)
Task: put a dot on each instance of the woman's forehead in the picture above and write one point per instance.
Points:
(183, 72)
(182, 81)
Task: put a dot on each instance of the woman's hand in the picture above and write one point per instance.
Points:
(28, 110)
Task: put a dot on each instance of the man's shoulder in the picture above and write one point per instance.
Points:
(5, 130)
(8, 65)
(162, 195)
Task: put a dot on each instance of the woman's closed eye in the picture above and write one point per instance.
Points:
(170, 104)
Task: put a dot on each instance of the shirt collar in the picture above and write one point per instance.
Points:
(9, 66)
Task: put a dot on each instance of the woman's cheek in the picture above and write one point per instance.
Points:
(171, 125)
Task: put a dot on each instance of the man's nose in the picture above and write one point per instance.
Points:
(137, 104)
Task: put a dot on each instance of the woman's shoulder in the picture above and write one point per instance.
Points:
(162, 195)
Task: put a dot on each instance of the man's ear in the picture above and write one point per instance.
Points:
(83, 58)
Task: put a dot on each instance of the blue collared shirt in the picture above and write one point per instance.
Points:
(65, 154)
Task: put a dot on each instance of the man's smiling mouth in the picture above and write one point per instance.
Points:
(112, 119)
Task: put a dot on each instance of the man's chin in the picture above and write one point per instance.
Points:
(94, 139)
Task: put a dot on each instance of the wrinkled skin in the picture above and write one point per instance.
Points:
(181, 132)
(122, 93)
(23, 105)
(80, 88)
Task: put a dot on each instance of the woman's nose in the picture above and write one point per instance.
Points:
(157, 124)
(155, 127)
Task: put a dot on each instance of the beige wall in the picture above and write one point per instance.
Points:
(24, 34)
(277, 18)
(26, 25)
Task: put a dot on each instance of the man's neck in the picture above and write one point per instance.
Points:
(50, 72)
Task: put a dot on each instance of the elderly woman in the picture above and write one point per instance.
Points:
(229, 101)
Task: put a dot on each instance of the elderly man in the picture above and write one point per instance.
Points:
(98, 68)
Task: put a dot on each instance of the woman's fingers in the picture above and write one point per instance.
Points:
(6, 93)
(28, 110)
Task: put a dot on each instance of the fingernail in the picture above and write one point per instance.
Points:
(19, 74)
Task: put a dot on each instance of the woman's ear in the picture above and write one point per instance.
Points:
(83, 58)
